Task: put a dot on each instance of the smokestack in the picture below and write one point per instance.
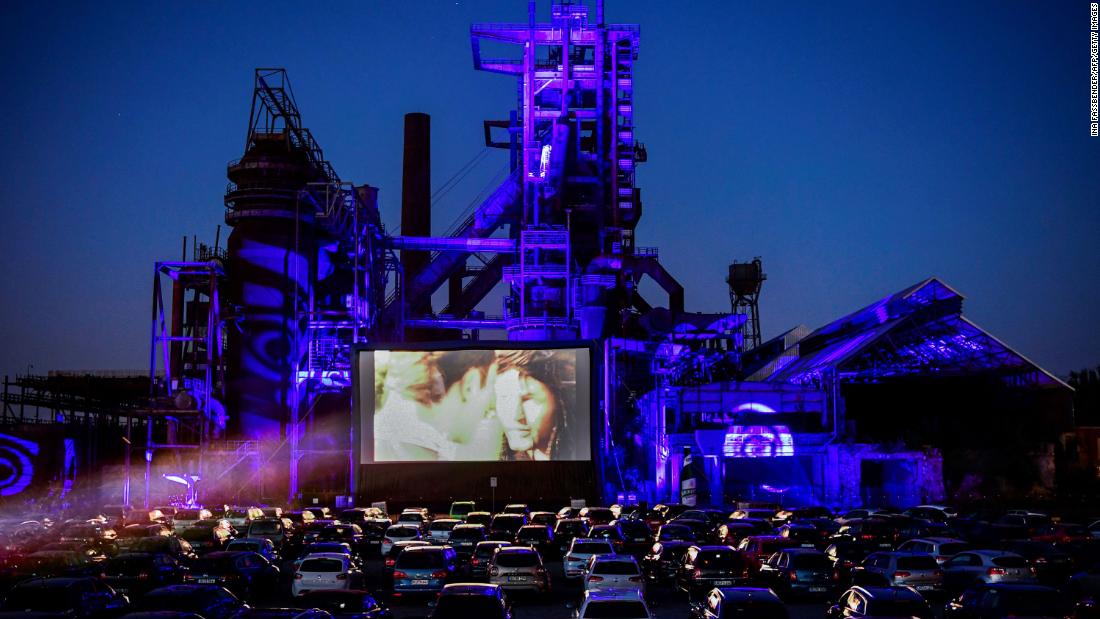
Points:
(416, 197)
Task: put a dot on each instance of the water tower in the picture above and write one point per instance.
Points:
(745, 280)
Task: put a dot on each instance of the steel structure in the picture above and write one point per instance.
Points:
(745, 280)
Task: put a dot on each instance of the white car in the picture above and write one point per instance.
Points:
(399, 533)
(186, 517)
(440, 530)
(580, 551)
(614, 572)
(322, 571)
(612, 603)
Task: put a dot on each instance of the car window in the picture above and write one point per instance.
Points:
(917, 562)
(1009, 561)
(322, 565)
(615, 609)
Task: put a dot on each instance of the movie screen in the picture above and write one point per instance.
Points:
(474, 405)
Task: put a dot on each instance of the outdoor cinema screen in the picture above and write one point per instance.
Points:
(485, 402)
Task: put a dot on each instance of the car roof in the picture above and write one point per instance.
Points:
(939, 540)
(749, 593)
(602, 595)
(613, 559)
(325, 555)
(515, 550)
(428, 548)
(715, 548)
(1012, 586)
(892, 593)
(802, 551)
(470, 588)
(992, 553)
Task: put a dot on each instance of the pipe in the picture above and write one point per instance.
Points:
(416, 195)
(467, 244)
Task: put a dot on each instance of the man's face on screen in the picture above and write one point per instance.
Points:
(525, 409)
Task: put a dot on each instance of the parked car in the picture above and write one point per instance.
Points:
(424, 569)
(565, 529)
(614, 572)
(245, 574)
(596, 515)
(519, 568)
(389, 560)
(208, 535)
(505, 526)
(323, 571)
(803, 534)
(400, 533)
(538, 536)
(547, 518)
(464, 539)
(801, 572)
(866, 602)
(739, 603)
(517, 508)
(470, 601)
(986, 566)
(269, 528)
(439, 531)
(576, 558)
(900, 569)
(482, 518)
(482, 557)
(703, 568)
(135, 574)
(1000, 600)
(460, 509)
(757, 549)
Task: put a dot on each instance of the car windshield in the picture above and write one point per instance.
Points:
(811, 562)
(615, 568)
(443, 526)
(197, 534)
(1010, 561)
(917, 562)
(402, 532)
(215, 565)
(471, 533)
(953, 548)
(517, 559)
(572, 527)
(267, 527)
(419, 560)
(468, 606)
(128, 565)
(615, 609)
(187, 514)
(719, 560)
(322, 565)
(897, 608)
(536, 533)
(593, 547)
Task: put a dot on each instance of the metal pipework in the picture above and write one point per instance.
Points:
(430, 243)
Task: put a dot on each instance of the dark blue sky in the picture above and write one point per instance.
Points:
(858, 147)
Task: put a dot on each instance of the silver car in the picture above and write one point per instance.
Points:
(519, 567)
(918, 570)
(986, 566)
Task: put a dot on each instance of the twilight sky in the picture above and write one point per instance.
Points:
(858, 147)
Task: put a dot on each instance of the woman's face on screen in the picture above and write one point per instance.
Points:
(525, 407)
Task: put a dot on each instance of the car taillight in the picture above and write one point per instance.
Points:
(570, 558)
(697, 573)
(901, 574)
(475, 561)
(635, 579)
(439, 574)
(188, 577)
(400, 574)
(390, 562)
(866, 536)
(386, 540)
(836, 574)
(298, 576)
(1032, 570)
(794, 576)
(941, 558)
(996, 571)
(594, 578)
(341, 577)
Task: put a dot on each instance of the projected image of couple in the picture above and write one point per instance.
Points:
(475, 405)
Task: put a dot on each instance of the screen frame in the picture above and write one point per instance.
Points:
(358, 427)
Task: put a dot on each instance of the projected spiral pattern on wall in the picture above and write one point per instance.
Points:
(16, 464)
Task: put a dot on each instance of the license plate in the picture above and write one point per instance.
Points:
(924, 587)
(807, 545)
(121, 590)
(206, 581)
(517, 578)
(420, 582)
(884, 545)
(818, 589)
(723, 583)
